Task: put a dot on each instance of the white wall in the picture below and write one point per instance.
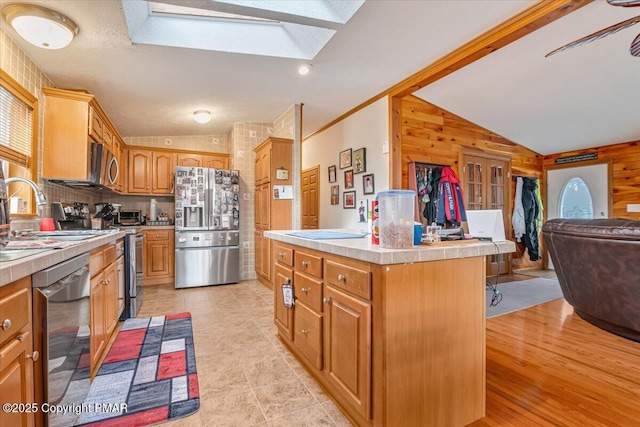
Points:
(367, 128)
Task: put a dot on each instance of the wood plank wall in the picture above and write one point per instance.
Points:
(430, 134)
(626, 173)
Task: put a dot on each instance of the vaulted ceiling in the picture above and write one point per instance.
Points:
(585, 96)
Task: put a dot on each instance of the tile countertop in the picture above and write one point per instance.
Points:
(15, 270)
(362, 249)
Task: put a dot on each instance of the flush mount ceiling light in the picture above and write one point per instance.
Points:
(304, 69)
(40, 26)
(202, 116)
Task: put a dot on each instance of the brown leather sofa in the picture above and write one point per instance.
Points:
(598, 266)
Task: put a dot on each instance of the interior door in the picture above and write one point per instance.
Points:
(485, 180)
(310, 191)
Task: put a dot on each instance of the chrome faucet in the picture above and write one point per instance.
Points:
(41, 200)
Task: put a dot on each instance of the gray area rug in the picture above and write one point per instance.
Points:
(523, 294)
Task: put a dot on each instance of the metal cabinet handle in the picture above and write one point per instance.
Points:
(280, 254)
(341, 278)
(304, 290)
(35, 356)
(6, 324)
(326, 300)
(288, 282)
(305, 263)
(304, 331)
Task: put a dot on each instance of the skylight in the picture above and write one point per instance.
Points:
(265, 27)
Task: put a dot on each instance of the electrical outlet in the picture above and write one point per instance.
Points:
(167, 141)
(245, 245)
(252, 133)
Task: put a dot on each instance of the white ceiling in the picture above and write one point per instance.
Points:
(152, 90)
(585, 97)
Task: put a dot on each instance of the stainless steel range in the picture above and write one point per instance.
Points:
(133, 242)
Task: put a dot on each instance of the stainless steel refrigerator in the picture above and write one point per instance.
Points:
(207, 222)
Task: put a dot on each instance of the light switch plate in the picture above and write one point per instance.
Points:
(633, 208)
(385, 147)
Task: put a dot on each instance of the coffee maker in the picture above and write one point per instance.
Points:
(71, 216)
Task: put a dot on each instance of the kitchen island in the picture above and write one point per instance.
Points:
(395, 337)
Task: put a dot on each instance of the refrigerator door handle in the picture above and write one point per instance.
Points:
(207, 199)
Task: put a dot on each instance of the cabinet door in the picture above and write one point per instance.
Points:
(110, 298)
(108, 137)
(283, 316)
(347, 351)
(215, 162)
(258, 253)
(139, 171)
(16, 379)
(265, 164)
(258, 168)
(163, 166)
(156, 258)
(122, 164)
(189, 160)
(121, 285)
(265, 206)
(258, 208)
(307, 336)
(96, 125)
(97, 339)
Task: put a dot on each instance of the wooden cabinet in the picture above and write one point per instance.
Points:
(103, 266)
(71, 121)
(150, 172)
(219, 161)
(347, 352)
(121, 284)
(159, 256)
(270, 214)
(16, 355)
(385, 340)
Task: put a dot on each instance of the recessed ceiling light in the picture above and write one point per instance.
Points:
(40, 26)
(304, 69)
(202, 116)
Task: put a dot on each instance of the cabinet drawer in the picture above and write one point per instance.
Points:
(96, 261)
(284, 255)
(14, 313)
(157, 235)
(308, 290)
(349, 278)
(307, 335)
(110, 254)
(310, 264)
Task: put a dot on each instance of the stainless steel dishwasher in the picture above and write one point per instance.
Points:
(62, 313)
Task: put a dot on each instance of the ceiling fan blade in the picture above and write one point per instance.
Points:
(635, 46)
(597, 35)
(624, 3)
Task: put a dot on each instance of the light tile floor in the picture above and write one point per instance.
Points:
(246, 376)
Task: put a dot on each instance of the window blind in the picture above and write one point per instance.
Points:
(15, 129)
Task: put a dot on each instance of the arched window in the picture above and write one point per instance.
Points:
(575, 200)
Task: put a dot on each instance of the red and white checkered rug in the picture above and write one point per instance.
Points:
(147, 377)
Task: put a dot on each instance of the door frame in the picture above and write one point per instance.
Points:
(317, 168)
(544, 193)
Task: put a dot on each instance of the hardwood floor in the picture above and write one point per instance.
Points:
(548, 367)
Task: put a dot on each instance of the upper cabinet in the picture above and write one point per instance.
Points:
(274, 154)
(194, 160)
(72, 120)
(151, 171)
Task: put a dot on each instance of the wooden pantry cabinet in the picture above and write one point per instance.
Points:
(393, 345)
(274, 156)
(16, 352)
(159, 256)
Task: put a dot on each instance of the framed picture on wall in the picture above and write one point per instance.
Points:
(345, 159)
(360, 160)
(349, 200)
(348, 179)
(332, 173)
(368, 186)
(335, 190)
